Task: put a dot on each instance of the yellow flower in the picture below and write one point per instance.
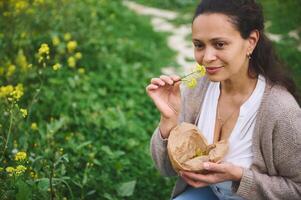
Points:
(6, 90)
(71, 46)
(34, 126)
(71, 62)
(78, 55)
(20, 169)
(23, 112)
(44, 49)
(11, 93)
(18, 92)
(20, 156)
(200, 70)
(191, 83)
(21, 60)
(10, 170)
(33, 175)
(56, 66)
(56, 40)
(67, 36)
(11, 70)
(81, 70)
(20, 6)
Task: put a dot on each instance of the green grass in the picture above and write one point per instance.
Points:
(96, 126)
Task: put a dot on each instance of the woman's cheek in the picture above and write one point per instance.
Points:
(198, 56)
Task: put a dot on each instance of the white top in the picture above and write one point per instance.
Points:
(240, 140)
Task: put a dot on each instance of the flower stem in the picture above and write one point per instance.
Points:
(9, 131)
(185, 76)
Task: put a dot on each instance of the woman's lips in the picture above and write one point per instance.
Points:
(212, 70)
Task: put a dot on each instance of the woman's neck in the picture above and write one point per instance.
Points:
(238, 86)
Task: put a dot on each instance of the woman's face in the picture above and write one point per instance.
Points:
(220, 47)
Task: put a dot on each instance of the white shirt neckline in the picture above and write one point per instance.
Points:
(241, 135)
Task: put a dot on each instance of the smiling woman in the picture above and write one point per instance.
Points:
(246, 98)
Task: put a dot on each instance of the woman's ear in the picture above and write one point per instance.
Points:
(252, 40)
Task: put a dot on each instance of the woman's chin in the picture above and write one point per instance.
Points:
(214, 78)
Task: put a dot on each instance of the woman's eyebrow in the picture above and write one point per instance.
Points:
(197, 40)
(211, 40)
(217, 39)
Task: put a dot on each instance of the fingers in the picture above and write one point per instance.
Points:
(151, 87)
(215, 167)
(164, 80)
(194, 183)
(227, 170)
(194, 176)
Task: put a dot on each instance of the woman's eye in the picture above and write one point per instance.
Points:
(220, 45)
(198, 46)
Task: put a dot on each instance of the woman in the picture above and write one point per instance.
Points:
(244, 98)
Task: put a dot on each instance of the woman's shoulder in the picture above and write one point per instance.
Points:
(280, 103)
(282, 98)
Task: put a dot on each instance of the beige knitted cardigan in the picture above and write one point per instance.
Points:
(275, 172)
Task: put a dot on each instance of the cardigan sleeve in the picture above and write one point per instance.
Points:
(286, 184)
(160, 155)
(158, 146)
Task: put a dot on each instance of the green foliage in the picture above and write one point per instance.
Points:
(88, 126)
(285, 15)
(170, 4)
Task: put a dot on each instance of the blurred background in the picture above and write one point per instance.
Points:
(76, 121)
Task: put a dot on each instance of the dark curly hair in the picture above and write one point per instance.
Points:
(247, 16)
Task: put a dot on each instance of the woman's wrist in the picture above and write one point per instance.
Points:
(166, 125)
(237, 174)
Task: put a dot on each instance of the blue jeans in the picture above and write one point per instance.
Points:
(219, 191)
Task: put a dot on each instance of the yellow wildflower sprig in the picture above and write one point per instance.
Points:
(43, 54)
(190, 80)
(20, 156)
(19, 170)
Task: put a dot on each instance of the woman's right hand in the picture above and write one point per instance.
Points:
(165, 93)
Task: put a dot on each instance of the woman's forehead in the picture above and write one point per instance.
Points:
(213, 25)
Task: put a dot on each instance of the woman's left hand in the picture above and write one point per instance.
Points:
(216, 173)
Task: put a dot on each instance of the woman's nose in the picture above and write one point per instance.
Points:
(209, 55)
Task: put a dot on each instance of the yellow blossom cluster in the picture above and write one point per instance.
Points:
(70, 48)
(11, 93)
(56, 66)
(190, 80)
(17, 7)
(44, 52)
(34, 126)
(23, 112)
(20, 156)
(20, 169)
(20, 63)
(20, 5)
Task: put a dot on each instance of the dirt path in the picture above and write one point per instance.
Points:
(177, 39)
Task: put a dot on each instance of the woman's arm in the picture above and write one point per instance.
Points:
(159, 154)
